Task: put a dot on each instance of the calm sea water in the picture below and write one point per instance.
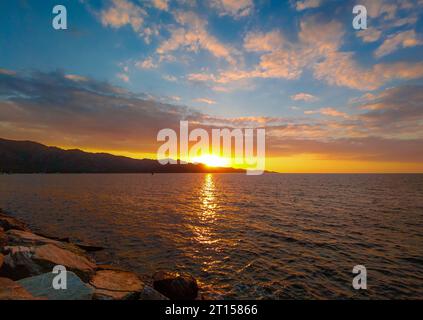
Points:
(264, 237)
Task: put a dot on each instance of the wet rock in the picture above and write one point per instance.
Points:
(50, 255)
(42, 286)
(8, 223)
(17, 263)
(116, 285)
(21, 262)
(148, 293)
(88, 247)
(100, 294)
(10, 290)
(66, 239)
(109, 267)
(26, 238)
(175, 286)
(2, 238)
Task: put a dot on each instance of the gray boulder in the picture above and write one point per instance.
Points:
(42, 286)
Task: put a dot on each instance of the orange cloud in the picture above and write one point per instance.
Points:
(50, 108)
(403, 39)
(318, 49)
(146, 64)
(194, 36)
(205, 100)
(329, 112)
(161, 4)
(121, 13)
(304, 97)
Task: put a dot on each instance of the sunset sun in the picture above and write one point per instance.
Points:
(212, 160)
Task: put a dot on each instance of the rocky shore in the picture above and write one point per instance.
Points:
(27, 260)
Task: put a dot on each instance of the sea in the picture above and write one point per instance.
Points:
(274, 236)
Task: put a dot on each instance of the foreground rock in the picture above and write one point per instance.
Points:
(116, 285)
(22, 262)
(30, 258)
(175, 286)
(26, 238)
(148, 293)
(42, 286)
(2, 238)
(8, 223)
(10, 290)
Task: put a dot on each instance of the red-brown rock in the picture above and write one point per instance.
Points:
(2, 238)
(26, 238)
(10, 290)
(21, 262)
(8, 223)
(116, 285)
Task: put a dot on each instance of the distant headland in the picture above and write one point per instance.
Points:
(33, 157)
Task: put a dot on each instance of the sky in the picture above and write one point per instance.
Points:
(331, 98)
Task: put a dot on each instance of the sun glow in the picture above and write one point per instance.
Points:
(212, 161)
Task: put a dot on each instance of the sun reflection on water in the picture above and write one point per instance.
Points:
(208, 198)
(207, 214)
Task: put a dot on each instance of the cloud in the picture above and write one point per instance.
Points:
(364, 98)
(122, 76)
(340, 69)
(170, 78)
(317, 49)
(370, 34)
(307, 4)
(75, 77)
(381, 8)
(352, 149)
(7, 72)
(396, 111)
(146, 64)
(329, 112)
(404, 39)
(148, 33)
(193, 36)
(205, 100)
(258, 41)
(121, 13)
(161, 4)
(235, 8)
(304, 97)
(50, 108)
(388, 15)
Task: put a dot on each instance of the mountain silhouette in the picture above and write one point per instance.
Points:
(33, 157)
